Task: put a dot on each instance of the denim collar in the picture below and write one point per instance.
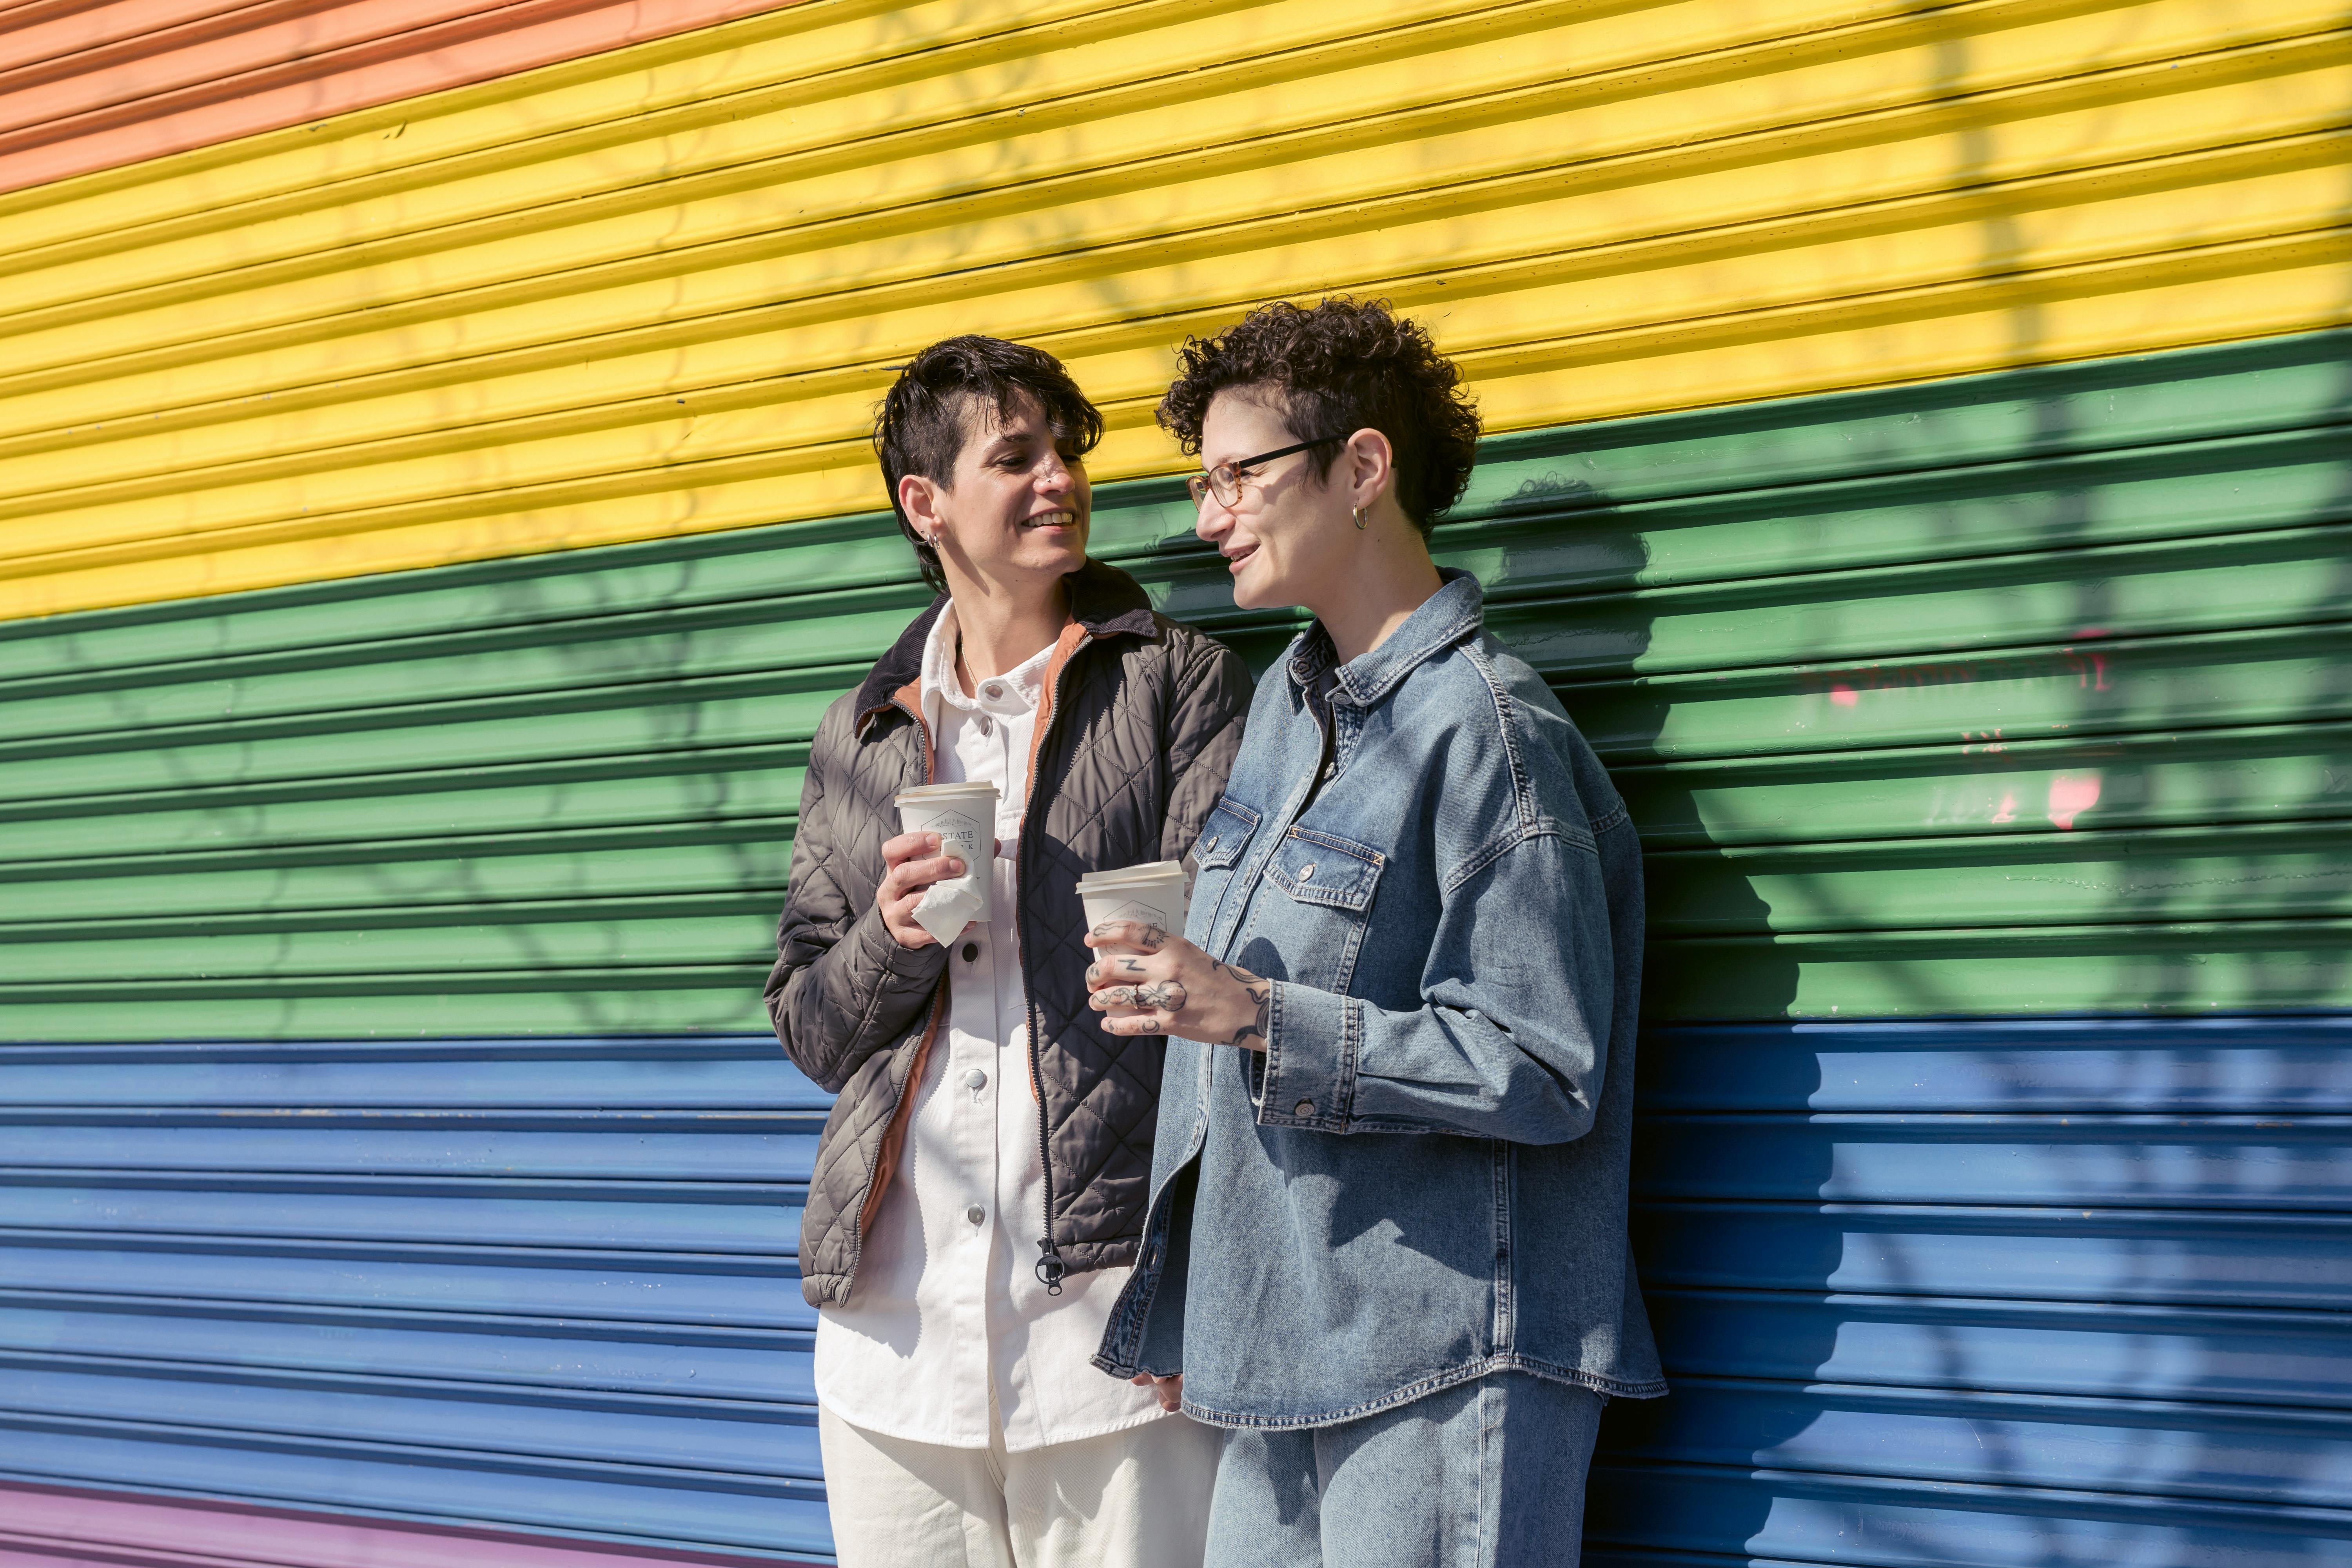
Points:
(1444, 618)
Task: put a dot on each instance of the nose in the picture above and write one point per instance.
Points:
(1214, 521)
(1054, 476)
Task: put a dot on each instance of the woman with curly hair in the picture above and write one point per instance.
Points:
(1385, 1247)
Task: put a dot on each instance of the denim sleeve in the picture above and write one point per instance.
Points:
(1512, 1034)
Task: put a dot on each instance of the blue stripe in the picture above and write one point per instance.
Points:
(1991, 1292)
(1974, 1292)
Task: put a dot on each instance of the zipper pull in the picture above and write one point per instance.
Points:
(1050, 1268)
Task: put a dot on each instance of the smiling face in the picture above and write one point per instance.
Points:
(1017, 508)
(1284, 538)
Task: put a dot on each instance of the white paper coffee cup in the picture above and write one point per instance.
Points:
(964, 817)
(1148, 895)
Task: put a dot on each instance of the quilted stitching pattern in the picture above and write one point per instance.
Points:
(1140, 747)
(1114, 777)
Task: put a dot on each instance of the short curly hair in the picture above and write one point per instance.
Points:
(1342, 366)
(919, 427)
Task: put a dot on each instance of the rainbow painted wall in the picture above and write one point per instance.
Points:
(434, 510)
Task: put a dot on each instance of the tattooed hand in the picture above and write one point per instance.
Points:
(1149, 982)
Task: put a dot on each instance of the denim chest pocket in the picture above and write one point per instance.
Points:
(1222, 838)
(1318, 927)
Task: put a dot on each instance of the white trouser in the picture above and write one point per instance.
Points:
(1136, 1499)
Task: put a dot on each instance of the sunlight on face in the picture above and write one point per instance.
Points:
(1287, 537)
(1019, 505)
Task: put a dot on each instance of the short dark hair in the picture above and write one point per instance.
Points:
(1344, 365)
(919, 428)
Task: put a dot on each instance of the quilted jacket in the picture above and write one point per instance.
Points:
(1139, 722)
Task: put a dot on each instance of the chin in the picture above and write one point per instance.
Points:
(1258, 589)
(1060, 555)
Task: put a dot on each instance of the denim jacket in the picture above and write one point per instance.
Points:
(1424, 1179)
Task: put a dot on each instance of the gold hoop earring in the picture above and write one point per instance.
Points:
(1359, 520)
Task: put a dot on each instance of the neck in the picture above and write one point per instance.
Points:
(1382, 588)
(997, 628)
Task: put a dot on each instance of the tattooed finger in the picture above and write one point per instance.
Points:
(1165, 995)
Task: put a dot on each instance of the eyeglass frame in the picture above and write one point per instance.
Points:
(1204, 485)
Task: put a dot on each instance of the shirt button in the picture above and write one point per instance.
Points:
(975, 1079)
(972, 952)
(992, 690)
(986, 728)
(974, 1214)
(1304, 1108)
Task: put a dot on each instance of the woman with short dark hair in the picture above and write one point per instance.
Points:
(978, 1191)
(1386, 1246)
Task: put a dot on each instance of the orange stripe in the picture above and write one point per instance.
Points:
(92, 89)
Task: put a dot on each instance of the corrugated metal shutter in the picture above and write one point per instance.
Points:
(2016, 695)
(546, 1286)
(2009, 695)
(2033, 1294)
(655, 291)
(1987, 697)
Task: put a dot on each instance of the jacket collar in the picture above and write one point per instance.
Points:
(1444, 618)
(1104, 602)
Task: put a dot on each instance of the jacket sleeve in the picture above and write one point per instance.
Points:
(1204, 735)
(842, 987)
(1513, 1034)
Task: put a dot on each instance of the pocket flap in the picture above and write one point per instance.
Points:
(1319, 869)
(1224, 836)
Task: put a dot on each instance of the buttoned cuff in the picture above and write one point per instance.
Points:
(1311, 1038)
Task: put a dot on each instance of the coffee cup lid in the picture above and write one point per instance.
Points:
(1157, 872)
(944, 791)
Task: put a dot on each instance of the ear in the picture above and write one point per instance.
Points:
(918, 498)
(1368, 463)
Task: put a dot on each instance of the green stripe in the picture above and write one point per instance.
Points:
(2009, 694)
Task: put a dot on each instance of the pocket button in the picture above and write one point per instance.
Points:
(1307, 872)
(1304, 1108)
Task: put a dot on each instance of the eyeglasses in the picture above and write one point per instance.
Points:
(1224, 481)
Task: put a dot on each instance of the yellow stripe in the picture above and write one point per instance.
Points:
(660, 292)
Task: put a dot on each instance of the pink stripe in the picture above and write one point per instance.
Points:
(140, 79)
(47, 1527)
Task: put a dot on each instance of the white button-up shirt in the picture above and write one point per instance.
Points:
(946, 1310)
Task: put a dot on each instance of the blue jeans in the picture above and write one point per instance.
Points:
(1489, 1474)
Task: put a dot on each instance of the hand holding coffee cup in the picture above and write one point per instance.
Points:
(1147, 978)
(938, 880)
(914, 863)
(1173, 988)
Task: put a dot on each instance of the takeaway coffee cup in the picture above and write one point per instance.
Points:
(964, 817)
(1148, 895)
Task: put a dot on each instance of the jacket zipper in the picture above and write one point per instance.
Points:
(1050, 1266)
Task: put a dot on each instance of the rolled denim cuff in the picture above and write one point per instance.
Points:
(1310, 1058)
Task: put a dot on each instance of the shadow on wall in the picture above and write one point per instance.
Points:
(1943, 1293)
